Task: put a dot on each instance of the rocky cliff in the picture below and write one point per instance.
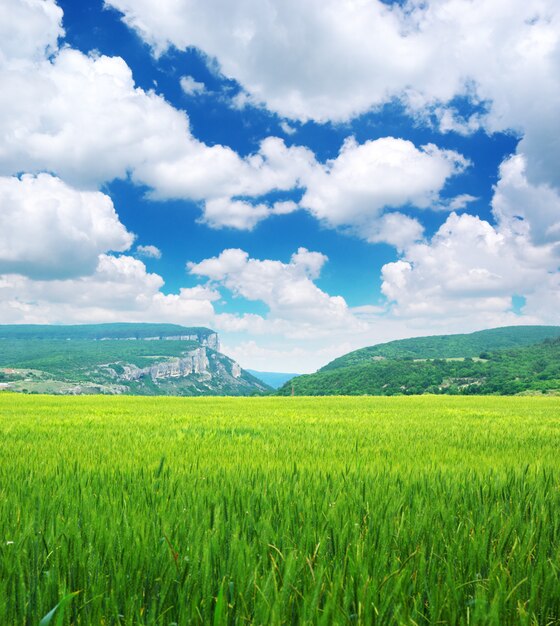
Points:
(192, 362)
(197, 371)
(144, 359)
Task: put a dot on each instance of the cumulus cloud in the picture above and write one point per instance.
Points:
(363, 180)
(217, 172)
(241, 214)
(82, 117)
(149, 252)
(119, 289)
(287, 289)
(502, 53)
(191, 86)
(30, 29)
(50, 230)
(395, 229)
(287, 128)
(280, 52)
(469, 268)
(472, 269)
(523, 207)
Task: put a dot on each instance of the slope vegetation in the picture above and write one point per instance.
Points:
(449, 346)
(528, 369)
(141, 359)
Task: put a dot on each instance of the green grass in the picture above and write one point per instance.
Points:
(430, 510)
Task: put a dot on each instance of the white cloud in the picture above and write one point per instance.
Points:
(468, 269)
(120, 289)
(83, 118)
(217, 172)
(355, 188)
(287, 289)
(225, 212)
(280, 52)
(460, 202)
(526, 208)
(191, 86)
(149, 252)
(50, 230)
(449, 120)
(503, 54)
(29, 29)
(287, 128)
(395, 229)
(471, 269)
(241, 214)
(544, 303)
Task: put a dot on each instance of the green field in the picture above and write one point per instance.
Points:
(430, 510)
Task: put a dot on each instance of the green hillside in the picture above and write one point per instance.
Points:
(531, 369)
(449, 346)
(99, 331)
(139, 359)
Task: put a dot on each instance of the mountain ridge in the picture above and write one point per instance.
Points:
(125, 358)
(460, 345)
(394, 368)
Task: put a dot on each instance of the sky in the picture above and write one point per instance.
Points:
(306, 178)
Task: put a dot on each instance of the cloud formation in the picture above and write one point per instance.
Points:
(148, 252)
(355, 188)
(82, 117)
(331, 60)
(50, 230)
(469, 268)
(120, 288)
(191, 86)
(287, 289)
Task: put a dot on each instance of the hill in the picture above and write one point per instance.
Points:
(528, 369)
(100, 332)
(449, 346)
(139, 359)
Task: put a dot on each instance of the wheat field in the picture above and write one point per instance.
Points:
(170, 511)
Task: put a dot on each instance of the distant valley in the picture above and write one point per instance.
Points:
(273, 379)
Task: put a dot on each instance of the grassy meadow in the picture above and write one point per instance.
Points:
(420, 510)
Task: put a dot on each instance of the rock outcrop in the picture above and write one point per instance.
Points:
(194, 362)
(211, 340)
(123, 358)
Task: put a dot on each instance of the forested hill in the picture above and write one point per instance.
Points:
(137, 359)
(102, 331)
(530, 369)
(449, 346)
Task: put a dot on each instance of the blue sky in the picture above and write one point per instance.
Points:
(306, 179)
